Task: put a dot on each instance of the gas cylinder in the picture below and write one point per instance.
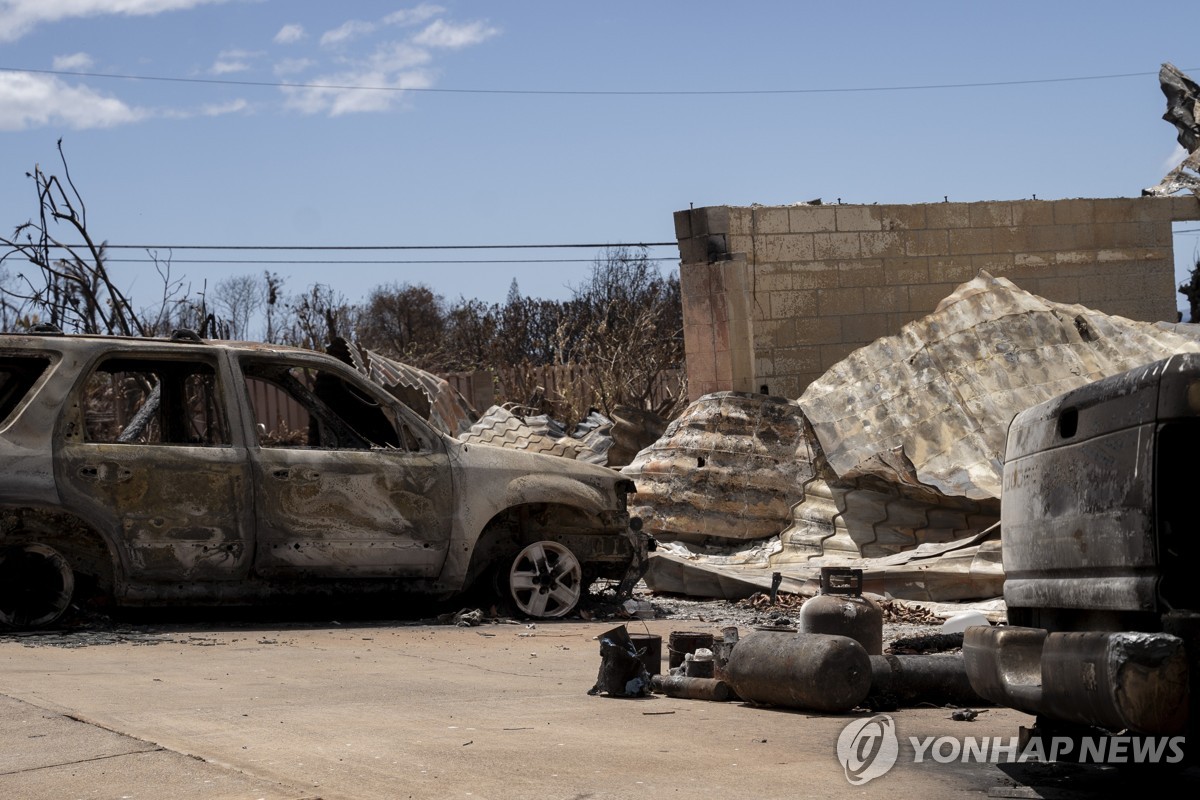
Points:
(841, 609)
(800, 670)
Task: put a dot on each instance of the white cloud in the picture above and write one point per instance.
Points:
(351, 29)
(229, 61)
(289, 34)
(73, 62)
(34, 101)
(210, 110)
(18, 17)
(220, 109)
(413, 16)
(337, 101)
(447, 34)
(290, 66)
(1175, 159)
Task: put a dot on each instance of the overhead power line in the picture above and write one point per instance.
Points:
(580, 92)
(353, 247)
(368, 261)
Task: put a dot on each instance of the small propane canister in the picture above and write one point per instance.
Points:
(841, 609)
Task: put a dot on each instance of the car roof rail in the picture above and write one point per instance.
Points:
(186, 335)
(45, 329)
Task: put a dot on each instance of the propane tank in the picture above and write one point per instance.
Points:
(800, 670)
(841, 609)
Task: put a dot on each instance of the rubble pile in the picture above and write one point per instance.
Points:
(890, 462)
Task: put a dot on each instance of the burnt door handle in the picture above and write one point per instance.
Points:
(282, 474)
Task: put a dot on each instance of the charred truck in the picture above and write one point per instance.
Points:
(1101, 525)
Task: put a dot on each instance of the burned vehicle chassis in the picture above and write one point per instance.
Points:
(1100, 540)
(182, 471)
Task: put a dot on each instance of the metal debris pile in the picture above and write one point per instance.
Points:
(890, 462)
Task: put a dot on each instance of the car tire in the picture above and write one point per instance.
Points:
(36, 585)
(545, 580)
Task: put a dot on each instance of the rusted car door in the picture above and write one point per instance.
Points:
(346, 483)
(145, 452)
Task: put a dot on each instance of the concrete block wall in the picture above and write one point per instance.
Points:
(774, 296)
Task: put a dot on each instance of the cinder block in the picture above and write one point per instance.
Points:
(990, 214)
(1043, 238)
(697, 312)
(1032, 260)
(793, 304)
(947, 215)
(769, 220)
(764, 367)
(783, 247)
(1032, 212)
(863, 272)
(1060, 290)
(857, 218)
(813, 219)
(1130, 209)
(693, 280)
(835, 302)
(951, 270)
(898, 320)
(773, 333)
(1014, 239)
(1075, 257)
(740, 221)
(929, 243)
(814, 275)
(793, 360)
(790, 386)
(863, 328)
(1073, 212)
(817, 330)
(906, 271)
(741, 244)
(775, 282)
(895, 218)
(683, 224)
(710, 221)
(1185, 208)
(995, 263)
(925, 298)
(833, 353)
(968, 241)
(883, 243)
(836, 245)
(886, 299)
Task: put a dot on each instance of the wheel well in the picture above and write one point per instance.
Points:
(85, 549)
(514, 527)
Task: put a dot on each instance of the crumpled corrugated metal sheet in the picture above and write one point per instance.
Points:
(1183, 111)
(500, 427)
(899, 471)
(425, 393)
(931, 406)
(965, 569)
(729, 467)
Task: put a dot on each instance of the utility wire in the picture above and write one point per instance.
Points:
(372, 247)
(580, 92)
(365, 261)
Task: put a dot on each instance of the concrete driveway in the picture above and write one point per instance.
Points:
(396, 710)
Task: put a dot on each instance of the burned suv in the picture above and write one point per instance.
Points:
(198, 472)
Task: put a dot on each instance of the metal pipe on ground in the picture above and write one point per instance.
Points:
(691, 688)
(907, 680)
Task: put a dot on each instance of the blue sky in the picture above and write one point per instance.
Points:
(175, 162)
